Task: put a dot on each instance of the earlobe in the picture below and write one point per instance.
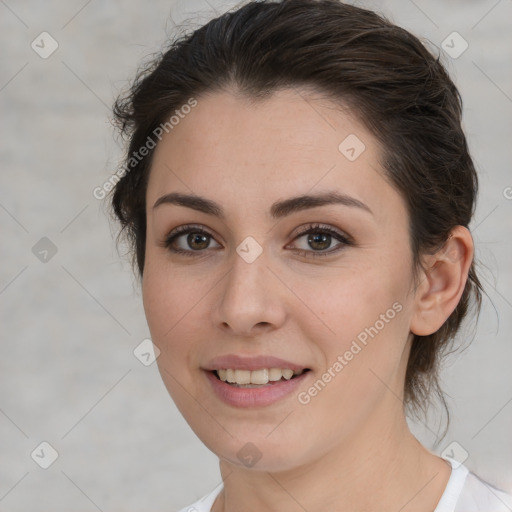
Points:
(442, 282)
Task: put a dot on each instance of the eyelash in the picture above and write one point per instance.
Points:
(310, 229)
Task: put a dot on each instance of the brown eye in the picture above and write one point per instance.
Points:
(196, 241)
(319, 238)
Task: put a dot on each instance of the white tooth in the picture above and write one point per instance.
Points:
(259, 376)
(243, 376)
(274, 374)
(287, 373)
(256, 377)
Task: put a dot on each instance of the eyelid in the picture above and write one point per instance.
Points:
(183, 230)
(341, 236)
(344, 240)
(315, 226)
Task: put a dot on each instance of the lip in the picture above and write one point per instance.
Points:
(254, 397)
(236, 362)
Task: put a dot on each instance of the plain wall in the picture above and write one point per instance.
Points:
(70, 325)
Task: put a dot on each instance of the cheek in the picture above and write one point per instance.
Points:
(169, 296)
(169, 313)
(168, 306)
(353, 301)
(367, 316)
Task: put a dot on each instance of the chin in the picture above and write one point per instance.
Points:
(255, 452)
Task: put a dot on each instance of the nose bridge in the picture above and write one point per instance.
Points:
(250, 293)
(249, 262)
(248, 273)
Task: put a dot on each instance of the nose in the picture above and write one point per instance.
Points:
(251, 298)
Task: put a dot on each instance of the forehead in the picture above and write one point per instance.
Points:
(253, 153)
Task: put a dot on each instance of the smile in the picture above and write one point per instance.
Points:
(256, 378)
(243, 394)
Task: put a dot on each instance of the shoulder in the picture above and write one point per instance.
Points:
(205, 503)
(467, 491)
(477, 495)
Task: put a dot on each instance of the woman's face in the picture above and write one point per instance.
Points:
(251, 286)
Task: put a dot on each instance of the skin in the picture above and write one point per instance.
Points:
(350, 443)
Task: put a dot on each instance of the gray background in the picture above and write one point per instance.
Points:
(69, 325)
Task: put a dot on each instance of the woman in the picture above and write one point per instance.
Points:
(297, 192)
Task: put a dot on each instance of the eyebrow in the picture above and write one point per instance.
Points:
(278, 210)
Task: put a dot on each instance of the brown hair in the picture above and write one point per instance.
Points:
(397, 88)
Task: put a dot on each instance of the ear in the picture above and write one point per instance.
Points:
(442, 282)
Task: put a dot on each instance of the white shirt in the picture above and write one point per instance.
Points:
(464, 492)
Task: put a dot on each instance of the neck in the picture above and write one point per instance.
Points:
(381, 467)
